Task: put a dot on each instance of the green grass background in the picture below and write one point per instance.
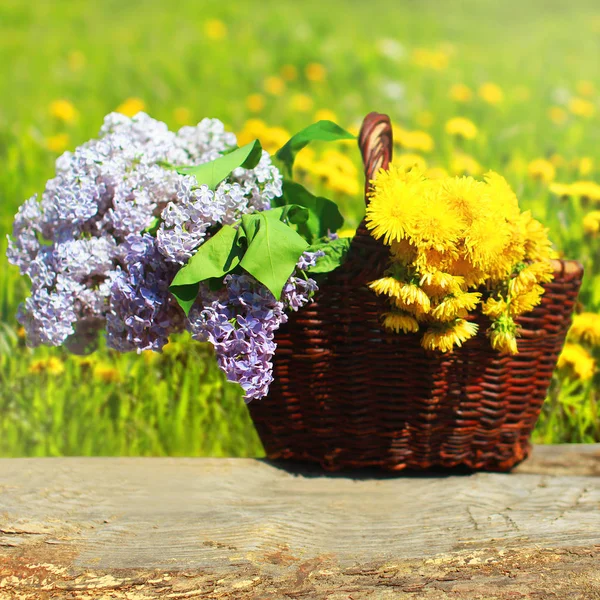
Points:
(178, 403)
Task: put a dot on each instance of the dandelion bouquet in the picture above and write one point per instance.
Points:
(457, 245)
(145, 232)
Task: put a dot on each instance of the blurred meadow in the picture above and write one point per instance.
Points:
(470, 85)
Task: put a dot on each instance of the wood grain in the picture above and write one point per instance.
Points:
(236, 528)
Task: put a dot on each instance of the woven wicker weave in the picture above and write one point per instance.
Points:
(349, 394)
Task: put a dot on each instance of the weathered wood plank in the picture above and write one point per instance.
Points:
(220, 528)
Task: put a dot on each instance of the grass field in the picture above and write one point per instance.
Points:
(525, 74)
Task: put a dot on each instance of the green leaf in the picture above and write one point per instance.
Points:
(273, 251)
(335, 254)
(323, 214)
(326, 131)
(215, 171)
(153, 227)
(214, 259)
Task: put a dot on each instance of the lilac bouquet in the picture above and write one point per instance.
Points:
(145, 232)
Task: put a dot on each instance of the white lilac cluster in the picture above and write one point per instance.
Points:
(240, 322)
(85, 245)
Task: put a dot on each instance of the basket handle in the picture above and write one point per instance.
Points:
(375, 143)
(368, 257)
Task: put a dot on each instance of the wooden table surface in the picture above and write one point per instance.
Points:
(142, 528)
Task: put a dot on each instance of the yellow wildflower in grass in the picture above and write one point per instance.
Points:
(58, 143)
(461, 127)
(397, 322)
(408, 161)
(215, 29)
(436, 173)
(491, 93)
(586, 329)
(301, 102)
(274, 85)
(464, 164)
(131, 107)
(591, 223)
(577, 362)
(64, 111)
(76, 60)
(459, 92)
(585, 189)
(305, 161)
(315, 72)
(324, 114)
(585, 165)
(21, 333)
(585, 88)
(255, 102)
(436, 60)
(413, 140)
(271, 138)
(289, 72)
(51, 365)
(557, 115)
(182, 116)
(445, 338)
(542, 170)
(561, 189)
(106, 373)
(581, 108)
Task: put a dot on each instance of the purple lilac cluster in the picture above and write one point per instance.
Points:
(240, 322)
(84, 244)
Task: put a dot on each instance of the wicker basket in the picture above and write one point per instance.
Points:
(349, 394)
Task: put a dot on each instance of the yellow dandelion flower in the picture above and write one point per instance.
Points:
(504, 342)
(390, 286)
(494, 307)
(182, 115)
(271, 138)
(255, 102)
(526, 302)
(577, 362)
(396, 322)
(301, 102)
(591, 223)
(324, 114)
(274, 85)
(412, 295)
(409, 161)
(315, 72)
(586, 329)
(64, 110)
(585, 88)
(491, 93)
(461, 127)
(531, 275)
(58, 143)
(106, 373)
(537, 245)
(466, 196)
(438, 283)
(289, 72)
(445, 338)
(557, 115)
(460, 92)
(403, 252)
(585, 165)
(455, 306)
(581, 108)
(131, 107)
(585, 189)
(215, 29)
(542, 170)
(436, 60)
(413, 140)
(463, 164)
(305, 160)
(436, 173)
(561, 189)
(51, 365)
(395, 202)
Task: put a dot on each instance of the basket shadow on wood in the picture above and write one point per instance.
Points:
(348, 394)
